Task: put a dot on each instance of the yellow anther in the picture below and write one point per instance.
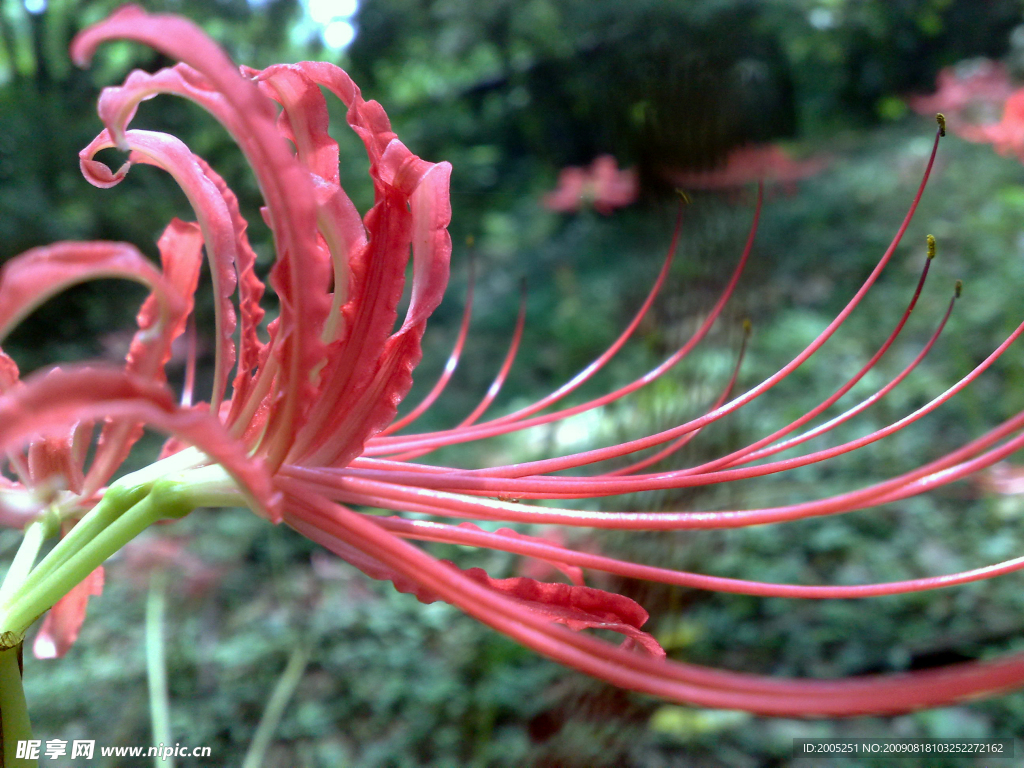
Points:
(931, 246)
(683, 196)
(747, 327)
(959, 288)
(941, 120)
(470, 241)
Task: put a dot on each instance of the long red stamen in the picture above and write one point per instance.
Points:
(682, 441)
(851, 412)
(673, 680)
(422, 530)
(491, 429)
(506, 365)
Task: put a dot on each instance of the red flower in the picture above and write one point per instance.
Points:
(1006, 136)
(304, 431)
(972, 95)
(602, 186)
(969, 94)
(769, 163)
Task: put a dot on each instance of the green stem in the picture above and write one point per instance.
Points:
(283, 690)
(181, 461)
(156, 666)
(113, 504)
(167, 498)
(36, 533)
(14, 722)
(212, 486)
(204, 486)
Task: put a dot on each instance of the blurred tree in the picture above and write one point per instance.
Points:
(511, 91)
(653, 83)
(848, 56)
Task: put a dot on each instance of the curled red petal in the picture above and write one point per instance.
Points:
(431, 243)
(304, 121)
(551, 539)
(52, 465)
(48, 402)
(366, 369)
(301, 276)
(181, 251)
(99, 174)
(577, 607)
(250, 289)
(574, 606)
(27, 280)
(215, 220)
(367, 118)
(361, 414)
(366, 378)
(449, 367)
(117, 104)
(412, 208)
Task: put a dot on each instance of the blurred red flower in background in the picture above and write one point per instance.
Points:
(969, 93)
(602, 186)
(768, 163)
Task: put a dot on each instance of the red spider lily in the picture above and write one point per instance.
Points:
(980, 104)
(303, 429)
(602, 186)
(751, 163)
(1006, 136)
(969, 94)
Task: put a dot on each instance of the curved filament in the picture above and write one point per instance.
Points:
(667, 451)
(480, 431)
